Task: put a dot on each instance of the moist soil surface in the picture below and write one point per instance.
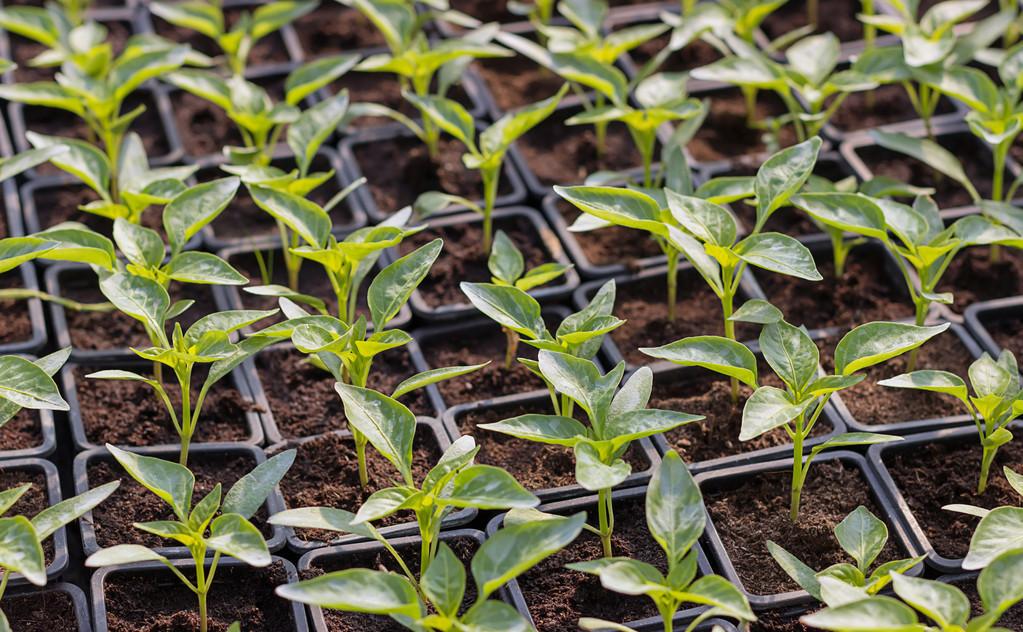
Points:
(131, 503)
(890, 105)
(92, 330)
(130, 413)
(331, 29)
(204, 128)
(753, 509)
(302, 398)
(866, 292)
(557, 597)
(326, 474)
(725, 135)
(32, 501)
(16, 325)
(399, 169)
(872, 404)
(337, 621)
(1007, 333)
(561, 154)
(536, 465)
(514, 82)
(463, 258)
(773, 621)
(49, 611)
(611, 245)
(933, 475)
(24, 432)
(477, 346)
(159, 602)
(58, 204)
(973, 277)
(643, 305)
(718, 435)
(948, 193)
(834, 16)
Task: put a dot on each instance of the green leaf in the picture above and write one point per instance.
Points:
(495, 615)
(141, 298)
(791, 353)
(432, 376)
(873, 343)
(122, 554)
(27, 385)
(507, 306)
(235, 536)
(1001, 584)
(766, 409)
(395, 283)
(865, 616)
(15, 251)
(800, 573)
(782, 175)
(541, 274)
(757, 311)
(357, 590)
(76, 243)
(307, 79)
(15, 165)
(622, 429)
(943, 603)
(323, 518)
(623, 207)
(515, 549)
(550, 429)
(249, 493)
(505, 261)
(196, 16)
(488, 487)
(20, 551)
(448, 115)
(849, 439)
(47, 521)
(634, 394)
(928, 152)
(81, 160)
(387, 424)
(306, 218)
(1001, 530)
(725, 597)
(195, 208)
(862, 535)
(593, 474)
(674, 508)
(141, 246)
(714, 353)
(930, 380)
(778, 253)
(9, 497)
(581, 380)
(171, 482)
(314, 126)
(844, 211)
(709, 222)
(443, 583)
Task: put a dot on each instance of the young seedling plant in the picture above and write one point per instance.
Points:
(862, 536)
(434, 602)
(675, 518)
(454, 482)
(219, 523)
(996, 401)
(794, 359)
(615, 421)
(1000, 529)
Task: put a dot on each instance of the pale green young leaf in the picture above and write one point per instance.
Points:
(20, 551)
(449, 115)
(141, 298)
(27, 385)
(249, 493)
(593, 474)
(709, 222)
(443, 583)
(387, 424)
(310, 77)
(862, 535)
(551, 429)
(634, 394)
(624, 207)
(201, 17)
(757, 311)
(1001, 583)
(195, 208)
(873, 343)
(791, 353)
(714, 353)
(314, 126)
(357, 590)
(304, 217)
(800, 573)
(508, 306)
(778, 253)
(81, 159)
(766, 409)
(47, 521)
(505, 263)
(433, 376)
(15, 251)
(865, 616)
(999, 531)
(76, 243)
(928, 152)
(931, 380)
(391, 289)
(782, 175)
(844, 211)
(123, 554)
(943, 603)
(171, 482)
(233, 535)
(323, 518)
(674, 508)
(488, 487)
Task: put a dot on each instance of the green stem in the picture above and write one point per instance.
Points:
(672, 283)
(512, 348)
(1001, 151)
(15, 294)
(360, 452)
(3, 582)
(727, 307)
(797, 473)
(985, 468)
(187, 422)
(922, 306)
(606, 519)
(491, 177)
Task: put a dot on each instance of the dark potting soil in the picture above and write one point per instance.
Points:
(787, 220)
(337, 621)
(302, 398)
(834, 16)
(477, 346)
(948, 192)
(51, 611)
(326, 474)
(130, 413)
(535, 465)
(132, 503)
(933, 475)
(464, 259)
(773, 621)
(16, 325)
(268, 50)
(718, 435)
(23, 432)
(32, 501)
(94, 330)
(561, 154)
(1011, 620)
(149, 126)
(749, 511)
(497, 10)
(312, 280)
(331, 28)
(871, 403)
(58, 204)
(865, 293)
(557, 597)
(611, 245)
(643, 305)
(1008, 333)
(890, 105)
(517, 81)
(695, 54)
(973, 277)
(385, 89)
(725, 135)
(159, 602)
(399, 169)
(204, 128)
(24, 49)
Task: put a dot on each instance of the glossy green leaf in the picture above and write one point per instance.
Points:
(236, 537)
(195, 208)
(47, 521)
(357, 590)
(391, 289)
(141, 298)
(782, 175)
(1001, 584)
(800, 573)
(314, 126)
(387, 424)
(791, 353)
(171, 482)
(307, 79)
(623, 207)
(862, 535)
(306, 218)
(550, 429)
(82, 160)
(928, 152)
(674, 508)
(443, 583)
(122, 554)
(866, 616)
(27, 385)
(593, 474)
(249, 493)
(944, 604)
(433, 376)
(844, 211)
(766, 409)
(874, 343)
(323, 518)
(998, 532)
(930, 380)
(715, 353)
(505, 262)
(20, 551)
(488, 487)
(778, 253)
(507, 306)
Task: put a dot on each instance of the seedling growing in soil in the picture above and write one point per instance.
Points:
(236, 41)
(216, 523)
(808, 77)
(261, 121)
(508, 267)
(996, 401)
(1000, 529)
(21, 550)
(207, 342)
(486, 151)
(686, 223)
(944, 607)
(862, 535)
(615, 421)
(675, 518)
(794, 359)
(434, 602)
(454, 482)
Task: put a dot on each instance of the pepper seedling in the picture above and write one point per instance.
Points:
(486, 150)
(21, 549)
(454, 482)
(862, 536)
(236, 42)
(675, 517)
(615, 421)
(220, 524)
(794, 359)
(1000, 529)
(944, 607)
(434, 602)
(508, 267)
(996, 401)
